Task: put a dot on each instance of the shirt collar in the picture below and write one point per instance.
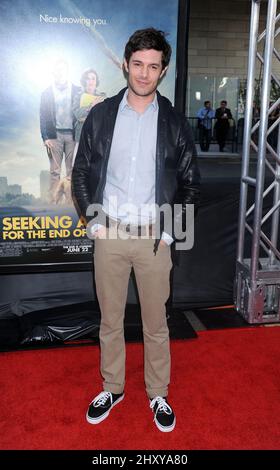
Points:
(124, 103)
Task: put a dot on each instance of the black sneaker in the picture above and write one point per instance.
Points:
(101, 406)
(163, 414)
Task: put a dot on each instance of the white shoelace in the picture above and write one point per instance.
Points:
(162, 405)
(102, 398)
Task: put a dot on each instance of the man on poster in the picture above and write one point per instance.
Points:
(135, 152)
(57, 123)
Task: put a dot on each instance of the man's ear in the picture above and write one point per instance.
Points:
(163, 71)
(125, 65)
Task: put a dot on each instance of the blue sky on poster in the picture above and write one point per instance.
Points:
(29, 46)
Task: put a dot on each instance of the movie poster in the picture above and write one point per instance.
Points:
(58, 59)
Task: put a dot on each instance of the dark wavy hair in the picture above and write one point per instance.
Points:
(149, 38)
(84, 77)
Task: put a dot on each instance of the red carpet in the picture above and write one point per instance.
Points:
(225, 391)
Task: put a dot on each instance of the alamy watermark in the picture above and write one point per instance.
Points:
(177, 221)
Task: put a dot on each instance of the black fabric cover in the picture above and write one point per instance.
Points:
(205, 274)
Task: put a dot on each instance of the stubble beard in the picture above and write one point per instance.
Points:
(143, 93)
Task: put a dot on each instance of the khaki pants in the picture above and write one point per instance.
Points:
(113, 260)
(62, 145)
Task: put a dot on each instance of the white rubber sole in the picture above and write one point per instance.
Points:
(105, 415)
(165, 428)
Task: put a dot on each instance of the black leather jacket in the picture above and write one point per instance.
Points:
(177, 174)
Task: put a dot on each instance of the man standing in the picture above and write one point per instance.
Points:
(135, 152)
(205, 116)
(223, 114)
(57, 125)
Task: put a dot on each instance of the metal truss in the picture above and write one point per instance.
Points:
(257, 283)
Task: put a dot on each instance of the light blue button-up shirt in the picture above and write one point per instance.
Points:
(129, 193)
(131, 172)
(206, 115)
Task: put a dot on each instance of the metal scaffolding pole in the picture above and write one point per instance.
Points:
(255, 13)
(257, 284)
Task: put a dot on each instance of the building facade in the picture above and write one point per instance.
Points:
(218, 53)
